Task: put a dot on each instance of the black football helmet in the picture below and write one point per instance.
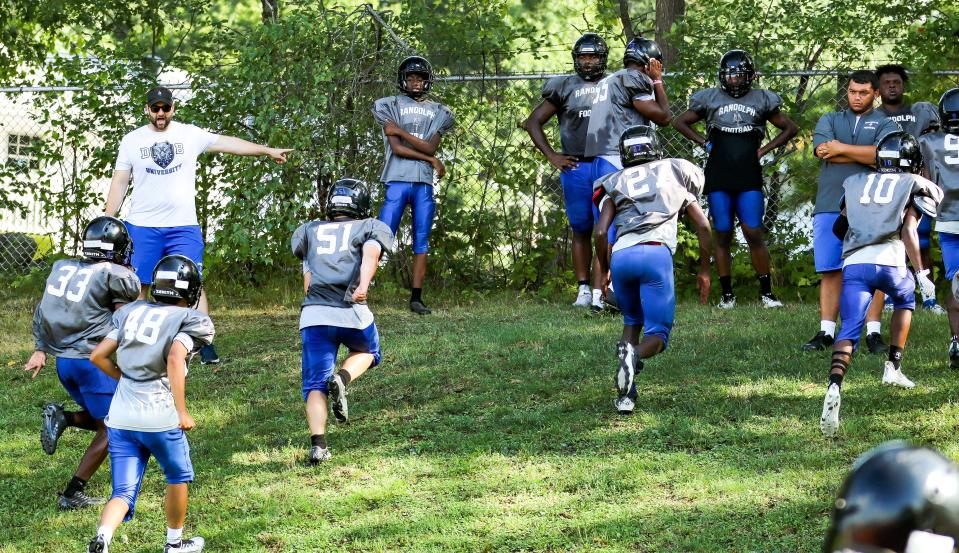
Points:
(898, 152)
(949, 111)
(640, 50)
(419, 66)
(175, 278)
(592, 44)
(736, 63)
(106, 239)
(350, 198)
(897, 494)
(639, 144)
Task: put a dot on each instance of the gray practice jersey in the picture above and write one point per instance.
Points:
(613, 111)
(876, 205)
(650, 197)
(145, 332)
(422, 120)
(724, 113)
(940, 153)
(332, 252)
(573, 99)
(77, 304)
(915, 119)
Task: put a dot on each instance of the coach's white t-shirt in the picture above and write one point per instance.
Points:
(163, 164)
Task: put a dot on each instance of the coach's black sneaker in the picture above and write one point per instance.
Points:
(954, 353)
(98, 545)
(319, 454)
(874, 343)
(819, 342)
(336, 393)
(53, 423)
(208, 355)
(419, 308)
(192, 545)
(78, 500)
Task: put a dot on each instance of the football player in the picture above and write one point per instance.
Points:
(570, 99)
(631, 96)
(149, 415)
(644, 200)
(412, 129)
(900, 499)
(72, 317)
(916, 119)
(845, 143)
(877, 224)
(940, 152)
(340, 256)
(736, 116)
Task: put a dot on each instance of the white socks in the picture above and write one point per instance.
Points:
(597, 296)
(174, 535)
(873, 327)
(107, 534)
(829, 327)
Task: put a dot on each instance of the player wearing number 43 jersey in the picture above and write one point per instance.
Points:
(72, 317)
(340, 256)
(149, 416)
(877, 224)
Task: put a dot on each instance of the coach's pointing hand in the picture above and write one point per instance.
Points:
(278, 154)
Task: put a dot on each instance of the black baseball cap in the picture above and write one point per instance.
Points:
(160, 94)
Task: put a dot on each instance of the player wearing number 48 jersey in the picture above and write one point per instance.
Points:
(148, 415)
(340, 256)
(71, 318)
(877, 224)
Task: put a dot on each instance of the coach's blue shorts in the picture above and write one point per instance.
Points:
(129, 452)
(748, 206)
(578, 196)
(924, 230)
(419, 196)
(320, 344)
(826, 248)
(150, 244)
(949, 243)
(643, 280)
(859, 283)
(90, 387)
(601, 168)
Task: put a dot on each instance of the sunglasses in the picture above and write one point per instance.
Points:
(158, 108)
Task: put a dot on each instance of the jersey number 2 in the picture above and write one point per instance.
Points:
(328, 236)
(144, 329)
(887, 180)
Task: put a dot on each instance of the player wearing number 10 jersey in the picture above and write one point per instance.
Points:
(72, 317)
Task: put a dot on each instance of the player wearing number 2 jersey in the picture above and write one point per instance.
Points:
(71, 318)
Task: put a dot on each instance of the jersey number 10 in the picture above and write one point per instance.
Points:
(887, 182)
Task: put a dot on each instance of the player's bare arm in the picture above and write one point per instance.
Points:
(704, 233)
(534, 127)
(101, 358)
(399, 149)
(428, 146)
(240, 147)
(371, 256)
(684, 124)
(656, 110)
(176, 374)
(837, 152)
(910, 238)
(118, 190)
(787, 130)
(601, 241)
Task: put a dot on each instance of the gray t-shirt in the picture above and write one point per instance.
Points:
(613, 111)
(77, 304)
(724, 113)
(876, 205)
(422, 120)
(145, 332)
(650, 197)
(573, 98)
(332, 252)
(842, 126)
(915, 119)
(940, 153)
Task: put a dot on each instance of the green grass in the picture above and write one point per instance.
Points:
(489, 427)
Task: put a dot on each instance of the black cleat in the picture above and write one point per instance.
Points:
(954, 354)
(875, 345)
(319, 454)
(419, 308)
(97, 545)
(208, 355)
(53, 423)
(76, 501)
(336, 393)
(819, 342)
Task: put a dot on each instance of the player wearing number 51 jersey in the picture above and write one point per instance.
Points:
(340, 256)
(877, 224)
(72, 317)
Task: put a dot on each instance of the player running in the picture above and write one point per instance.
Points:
(880, 211)
(340, 256)
(736, 115)
(645, 200)
(149, 416)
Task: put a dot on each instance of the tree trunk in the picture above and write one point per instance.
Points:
(627, 21)
(667, 12)
(271, 11)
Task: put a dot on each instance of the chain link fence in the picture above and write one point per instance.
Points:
(500, 217)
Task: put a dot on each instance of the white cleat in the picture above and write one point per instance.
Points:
(894, 377)
(627, 367)
(583, 298)
(727, 301)
(625, 405)
(192, 545)
(770, 301)
(829, 421)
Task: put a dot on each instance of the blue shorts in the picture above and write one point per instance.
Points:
(643, 280)
(150, 244)
(90, 387)
(419, 196)
(826, 248)
(859, 283)
(601, 168)
(320, 344)
(748, 206)
(578, 196)
(924, 230)
(950, 253)
(129, 452)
